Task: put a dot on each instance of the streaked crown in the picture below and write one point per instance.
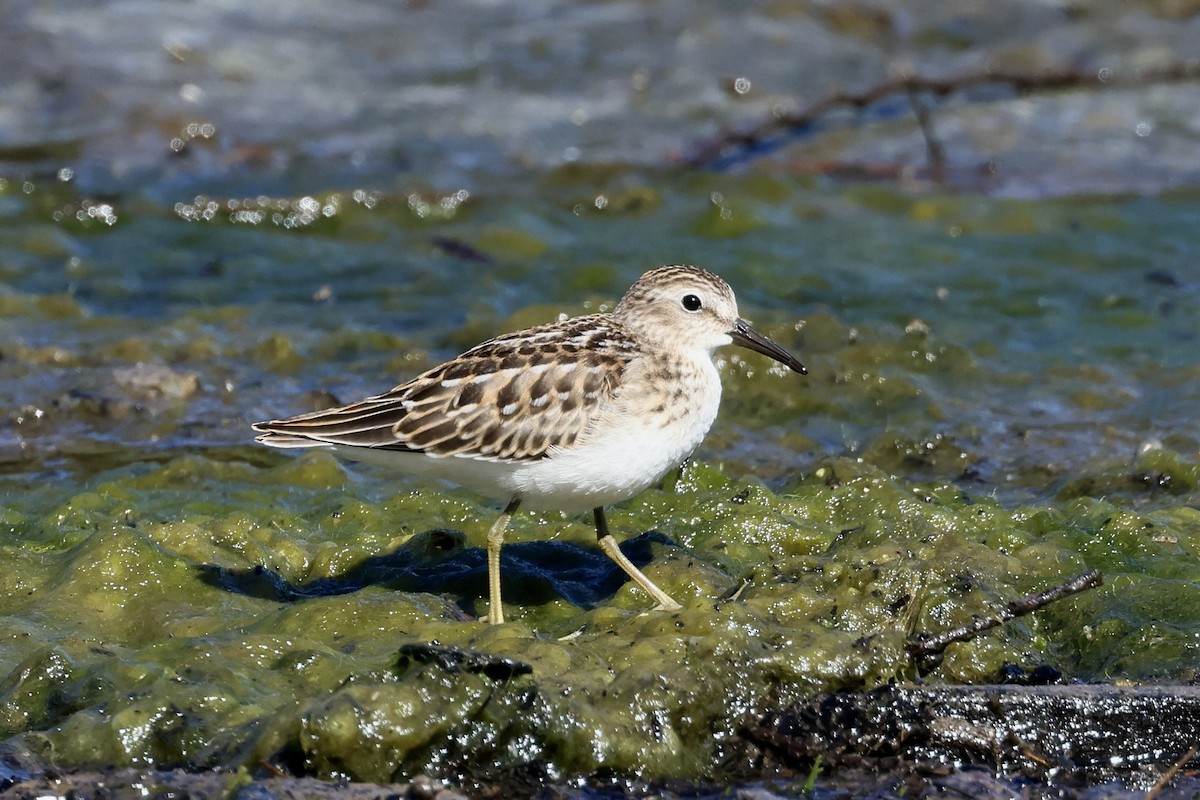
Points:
(680, 304)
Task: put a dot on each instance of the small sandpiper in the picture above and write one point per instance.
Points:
(568, 416)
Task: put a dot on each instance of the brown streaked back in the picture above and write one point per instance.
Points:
(512, 398)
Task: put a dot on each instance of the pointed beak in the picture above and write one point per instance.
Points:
(751, 339)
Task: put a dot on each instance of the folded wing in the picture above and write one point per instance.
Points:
(512, 398)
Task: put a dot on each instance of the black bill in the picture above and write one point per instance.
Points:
(749, 338)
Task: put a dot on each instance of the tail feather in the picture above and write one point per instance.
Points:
(287, 440)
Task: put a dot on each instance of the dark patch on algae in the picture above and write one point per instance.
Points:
(119, 654)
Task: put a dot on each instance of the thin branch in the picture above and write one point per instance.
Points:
(705, 152)
(1169, 775)
(933, 147)
(926, 648)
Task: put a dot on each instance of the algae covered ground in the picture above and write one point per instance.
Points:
(130, 655)
(260, 211)
(178, 597)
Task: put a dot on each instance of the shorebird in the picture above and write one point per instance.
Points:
(570, 416)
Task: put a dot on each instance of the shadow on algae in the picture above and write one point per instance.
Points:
(196, 615)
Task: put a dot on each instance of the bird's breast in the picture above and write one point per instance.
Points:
(675, 403)
(657, 420)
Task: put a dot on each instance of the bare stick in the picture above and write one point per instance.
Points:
(707, 151)
(1167, 776)
(937, 158)
(926, 648)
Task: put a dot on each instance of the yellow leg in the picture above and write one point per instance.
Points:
(495, 539)
(609, 545)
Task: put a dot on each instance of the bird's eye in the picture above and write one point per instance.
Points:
(691, 302)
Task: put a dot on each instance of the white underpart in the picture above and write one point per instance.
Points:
(626, 452)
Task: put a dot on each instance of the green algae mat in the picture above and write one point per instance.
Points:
(1001, 396)
(130, 656)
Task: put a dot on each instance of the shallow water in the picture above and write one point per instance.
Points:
(1002, 394)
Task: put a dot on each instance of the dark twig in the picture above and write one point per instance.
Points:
(1169, 775)
(937, 158)
(708, 151)
(454, 660)
(927, 648)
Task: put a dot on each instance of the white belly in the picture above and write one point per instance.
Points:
(626, 452)
(608, 470)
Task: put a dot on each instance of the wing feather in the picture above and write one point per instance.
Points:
(513, 398)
